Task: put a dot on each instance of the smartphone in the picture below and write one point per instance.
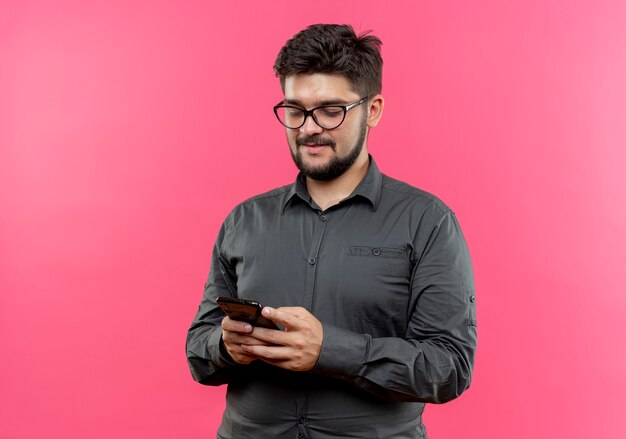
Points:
(245, 310)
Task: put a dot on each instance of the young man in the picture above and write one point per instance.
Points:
(369, 277)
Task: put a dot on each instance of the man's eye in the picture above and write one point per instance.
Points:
(293, 112)
(331, 112)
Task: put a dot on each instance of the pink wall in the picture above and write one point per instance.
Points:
(128, 130)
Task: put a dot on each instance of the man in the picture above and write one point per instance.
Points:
(369, 277)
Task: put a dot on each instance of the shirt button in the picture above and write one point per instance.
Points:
(312, 261)
(472, 299)
(376, 252)
(323, 218)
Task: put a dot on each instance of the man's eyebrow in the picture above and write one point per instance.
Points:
(317, 103)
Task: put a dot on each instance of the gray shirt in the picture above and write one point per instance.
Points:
(386, 271)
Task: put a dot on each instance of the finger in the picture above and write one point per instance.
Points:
(236, 338)
(272, 353)
(229, 324)
(283, 357)
(234, 349)
(270, 336)
(297, 311)
(241, 357)
(289, 317)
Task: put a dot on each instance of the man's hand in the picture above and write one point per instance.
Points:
(234, 334)
(296, 348)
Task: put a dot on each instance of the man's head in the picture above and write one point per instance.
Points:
(329, 65)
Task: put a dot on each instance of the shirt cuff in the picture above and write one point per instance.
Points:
(343, 353)
(218, 352)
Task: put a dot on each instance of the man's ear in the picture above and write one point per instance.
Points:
(375, 110)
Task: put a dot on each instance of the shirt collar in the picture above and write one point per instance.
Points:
(369, 188)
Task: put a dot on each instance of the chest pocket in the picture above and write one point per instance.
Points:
(374, 289)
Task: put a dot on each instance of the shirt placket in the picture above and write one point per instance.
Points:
(313, 260)
(308, 301)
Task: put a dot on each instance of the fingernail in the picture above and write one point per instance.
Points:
(247, 328)
(266, 311)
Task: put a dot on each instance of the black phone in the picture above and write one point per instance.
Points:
(245, 310)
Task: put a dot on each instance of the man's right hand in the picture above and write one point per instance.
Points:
(234, 334)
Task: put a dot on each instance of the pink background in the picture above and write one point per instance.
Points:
(128, 130)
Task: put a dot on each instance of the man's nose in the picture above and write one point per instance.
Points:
(310, 126)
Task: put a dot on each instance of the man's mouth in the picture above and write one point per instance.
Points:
(315, 144)
(314, 149)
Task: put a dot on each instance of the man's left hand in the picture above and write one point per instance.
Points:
(296, 348)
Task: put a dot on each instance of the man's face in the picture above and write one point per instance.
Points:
(319, 153)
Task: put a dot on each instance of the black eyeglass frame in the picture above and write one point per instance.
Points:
(308, 113)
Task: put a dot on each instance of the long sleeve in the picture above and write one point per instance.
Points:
(434, 361)
(206, 362)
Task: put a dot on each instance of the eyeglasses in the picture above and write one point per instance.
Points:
(328, 117)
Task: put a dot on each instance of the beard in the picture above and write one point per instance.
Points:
(337, 165)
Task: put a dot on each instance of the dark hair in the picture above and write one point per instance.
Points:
(334, 49)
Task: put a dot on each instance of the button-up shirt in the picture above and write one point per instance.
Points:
(388, 274)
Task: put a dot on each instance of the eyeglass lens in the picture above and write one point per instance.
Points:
(326, 117)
